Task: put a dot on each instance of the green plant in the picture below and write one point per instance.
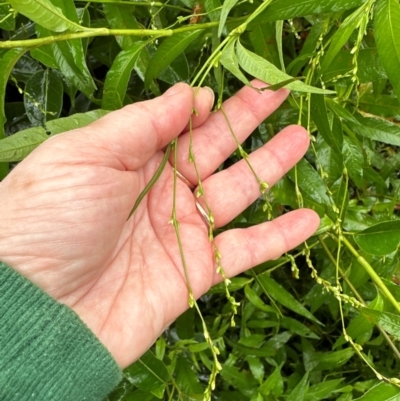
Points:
(322, 322)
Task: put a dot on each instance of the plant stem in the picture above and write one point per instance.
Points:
(372, 273)
(359, 297)
(47, 40)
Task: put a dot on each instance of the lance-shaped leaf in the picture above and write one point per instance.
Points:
(320, 116)
(43, 97)
(387, 36)
(381, 392)
(342, 35)
(380, 239)
(7, 63)
(68, 56)
(279, 294)
(149, 374)
(46, 14)
(168, 51)
(267, 72)
(226, 7)
(389, 322)
(16, 147)
(229, 60)
(300, 390)
(121, 18)
(118, 77)
(310, 182)
(288, 9)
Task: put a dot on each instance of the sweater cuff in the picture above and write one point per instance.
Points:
(46, 352)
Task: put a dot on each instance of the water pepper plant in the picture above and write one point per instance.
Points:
(321, 322)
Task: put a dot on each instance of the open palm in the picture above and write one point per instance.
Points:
(65, 207)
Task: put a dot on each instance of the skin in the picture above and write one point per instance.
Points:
(64, 208)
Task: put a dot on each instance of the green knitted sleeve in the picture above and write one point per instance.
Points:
(46, 352)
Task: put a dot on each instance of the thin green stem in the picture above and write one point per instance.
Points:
(263, 185)
(94, 32)
(372, 273)
(255, 277)
(153, 180)
(287, 259)
(358, 296)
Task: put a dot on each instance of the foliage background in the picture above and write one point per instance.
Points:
(322, 322)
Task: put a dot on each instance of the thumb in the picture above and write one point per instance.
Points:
(134, 133)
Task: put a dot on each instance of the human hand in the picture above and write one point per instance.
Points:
(63, 212)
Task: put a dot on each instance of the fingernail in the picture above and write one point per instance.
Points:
(211, 94)
(174, 90)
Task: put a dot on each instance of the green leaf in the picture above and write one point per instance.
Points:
(46, 14)
(321, 391)
(329, 160)
(167, 52)
(289, 9)
(186, 378)
(267, 72)
(149, 374)
(17, 146)
(262, 38)
(353, 159)
(387, 36)
(118, 76)
(331, 360)
(177, 71)
(370, 67)
(380, 105)
(343, 34)
(386, 320)
(256, 367)
(273, 384)
(380, 239)
(120, 17)
(7, 63)
(212, 5)
(73, 122)
(381, 392)
(226, 8)
(310, 182)
(279, 35)
(43, 97)
(243, 381)
(277, 292)
(308, 49)
(25, 67)
(320, 116)
(229, 60)
(297, 327)
(300, 390)
(257, 301)
(67, 56)
(377, 129)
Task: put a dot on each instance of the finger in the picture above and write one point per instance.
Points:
(242, 249)
(126, 139)
(213, 142)
(231, 191)
(203, 103)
